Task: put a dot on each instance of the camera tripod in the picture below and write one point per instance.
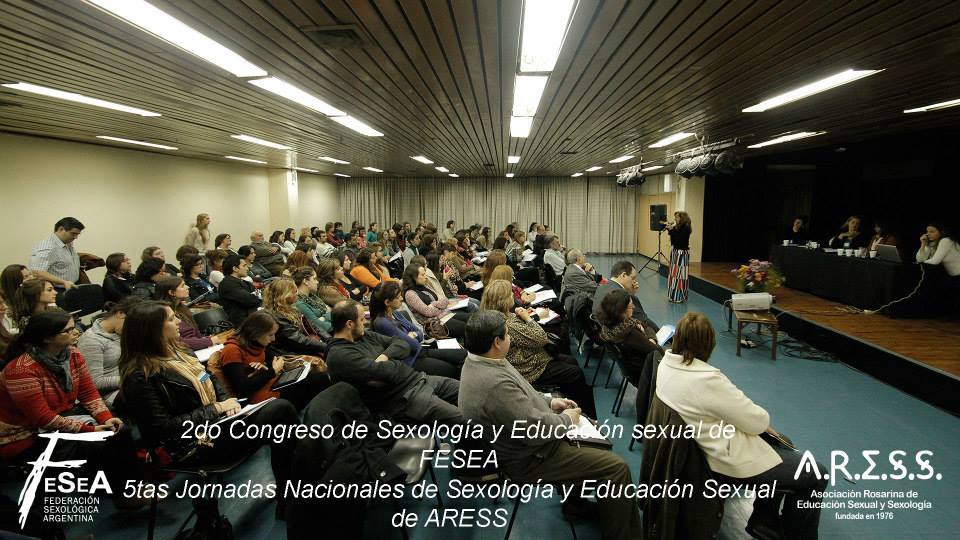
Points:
(659, 256)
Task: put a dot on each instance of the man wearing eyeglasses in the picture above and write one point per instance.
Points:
(623, 275)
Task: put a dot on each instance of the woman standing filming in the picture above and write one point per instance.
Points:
(678, 282)
(199, 235)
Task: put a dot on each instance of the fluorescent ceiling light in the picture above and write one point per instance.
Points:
(442, 169)
(816, 87)
(357, 126)
(334, 160)
(256, 140)
(527, 90)
(513, 159)
(296, 95)
(935, 106)
(653, 168)
(667, 141)
(248, 160)
(140, 13)
(509, 175)
(70, 96)
(787, 138)
(594, 168)
(453, 175)
(304, 169)
(621, 158)
(422, 159)
(341, 175)
(544, 27)
(576, 174)
(373, 169)
(141, 143)
(520, 126)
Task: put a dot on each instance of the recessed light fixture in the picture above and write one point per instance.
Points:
(453, 175)
(296, 95)
(422, 159)
(334, 160)
(256, 140)
(576, 174)
(935, 106)
(304, 169)
(79, 98)
(141, 143)
(509, 175)
(815, 87)
(142, 14)
(520, 126)
(248, 160)
(676, 137)
(652, 168)
(788, 138)
(357, 126)
(527, 90)
(544, 27)
(620, 159)
(341, 175)
(594, 168)
(513, 159)
(373, 169)
(442, 169)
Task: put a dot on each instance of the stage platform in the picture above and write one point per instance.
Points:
(918, 356)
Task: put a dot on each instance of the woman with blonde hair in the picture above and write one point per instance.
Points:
(505, 273)
(199, 234)
(294, 336)
(678, 285)
(495, 258)
(528, 353)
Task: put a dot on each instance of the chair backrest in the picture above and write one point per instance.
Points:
(83, 299)
(553, 280)
(212, 321)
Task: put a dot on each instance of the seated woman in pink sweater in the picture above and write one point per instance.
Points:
(425, 304)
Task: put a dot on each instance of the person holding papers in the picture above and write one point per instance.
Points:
(494, 395)
(528, 353)
(427, 307)
(162, 386)
(250, 368)
(387, 319)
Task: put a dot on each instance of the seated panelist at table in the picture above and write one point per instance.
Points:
(850, 236)
(797, 234)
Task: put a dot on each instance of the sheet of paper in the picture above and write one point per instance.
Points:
(549, 318)
(543, 296)
(527, 252)
(533, 288)
(476, 286)
(530, 257)
(204, 354)
(247, 410)
(396, 256)
(445, 318)
(459, 304)
(447, 344)
(665, 333)
(479, 260)
(585, 430)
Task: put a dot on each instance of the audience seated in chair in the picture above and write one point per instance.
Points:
(119, 280)
(309, 304)
(387, 319)
(267, 254)
(173, 292)
(624, 276)
(236, 294)
(370, 268)
(374, 364)
(100, 347)
(429, 309)
(412, 248)
(505, 273)
(154, 252)
(162, 386)
(33, 296)
(528, 348)
(296, 335)
(196, 280)
(331, 287)
(148, 274)
(214, 260)
(494, 394)
(553, 255)
(579, 277)
(699, 392)
(256, 271)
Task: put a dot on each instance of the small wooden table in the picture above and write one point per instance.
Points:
(761, 319)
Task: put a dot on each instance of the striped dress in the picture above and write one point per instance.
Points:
(678, 284)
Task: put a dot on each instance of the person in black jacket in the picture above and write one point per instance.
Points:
(236, 294)
(118, 283)
(295, 335)
(149, 273)
(196, 280)
(623, 276)
(162, 387)
(374, 364)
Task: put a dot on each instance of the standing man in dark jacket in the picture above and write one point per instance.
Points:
(268, 254)
(374, 364)
(236, 294)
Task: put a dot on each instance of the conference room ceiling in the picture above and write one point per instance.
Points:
(436, 77)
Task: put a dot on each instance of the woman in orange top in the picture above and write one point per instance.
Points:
(370, 269)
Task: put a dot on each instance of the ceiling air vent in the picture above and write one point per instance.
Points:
(341, 36)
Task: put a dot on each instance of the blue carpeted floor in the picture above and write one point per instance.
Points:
(822, 406)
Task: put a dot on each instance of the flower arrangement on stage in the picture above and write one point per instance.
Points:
(758, 276)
